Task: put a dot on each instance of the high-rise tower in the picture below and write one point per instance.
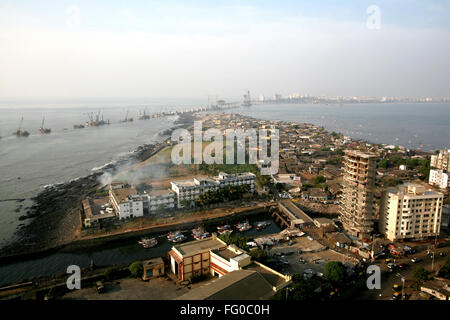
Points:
(358, 193)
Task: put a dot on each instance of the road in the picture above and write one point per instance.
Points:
(388, 279)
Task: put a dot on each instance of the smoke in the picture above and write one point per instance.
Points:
(133, 172)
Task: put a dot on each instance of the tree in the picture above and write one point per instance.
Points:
(259, 255)
(136, 269)
(335, 272)
(110, 274)
(445, 270)
(421, 274)
(383, 164)
(319, 179)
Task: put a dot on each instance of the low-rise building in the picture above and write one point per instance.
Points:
(126, 202)
(96, 214)
(208, 256)
(438, 288)
(190, 190)
(410, 211)
(157, 199)
(438, 177)
(152, 268)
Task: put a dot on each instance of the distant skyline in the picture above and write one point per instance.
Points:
(175, 50)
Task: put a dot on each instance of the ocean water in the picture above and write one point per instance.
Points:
(29, 164)
(415, 126)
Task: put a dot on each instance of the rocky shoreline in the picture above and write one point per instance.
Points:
(55, 213)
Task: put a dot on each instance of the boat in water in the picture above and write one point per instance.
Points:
(262, 225)
(200, 233)
(20, 132)
(44, 130)
(225, 229)
(244, 226)
(176, 236)
(148, 242)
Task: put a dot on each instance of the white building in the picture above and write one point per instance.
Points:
(126, 202)
(190, 190)
(159, 200)
(207, 256)
(438, 177)
(410, 211)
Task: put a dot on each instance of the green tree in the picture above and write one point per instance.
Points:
(445, 270)
(136, 269)
(421, 274)
(319, 179)
(335, 272)
(383, 164)
(110, 274)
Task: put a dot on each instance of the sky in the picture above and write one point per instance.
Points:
(157, 50)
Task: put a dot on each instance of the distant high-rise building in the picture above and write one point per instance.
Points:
(441, 161)
(247, 100)
(410, 211)
(357, 203)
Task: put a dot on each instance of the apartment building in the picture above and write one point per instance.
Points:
(159, 199)
(125, 200)
(190, 190)
(358, 195)
(410, 211)
(441, 161)
(438, 177)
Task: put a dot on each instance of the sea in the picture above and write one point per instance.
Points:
(28, 165)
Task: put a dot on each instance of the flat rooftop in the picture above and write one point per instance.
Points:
(226, 253)
(361, 154)
(236, 285)
(159, 192)
(196, 246)
(123, 194)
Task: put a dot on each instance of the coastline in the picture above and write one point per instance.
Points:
(54, 215)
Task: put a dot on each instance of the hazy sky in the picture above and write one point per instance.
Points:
(192, 49)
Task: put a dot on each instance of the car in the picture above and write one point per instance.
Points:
(396, 295)
(402, 266)
(99, 286)
(392, 266)
(395, 287)
(388, 260)
(415, 260)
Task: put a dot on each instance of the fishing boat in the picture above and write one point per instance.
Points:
(176, 236)
(148, 242)
(244, 226)
(262, 225)
(20, 132)
(44, 130)
(225, 229)
(200, 233)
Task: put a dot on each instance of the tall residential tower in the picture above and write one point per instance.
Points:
(358, 194)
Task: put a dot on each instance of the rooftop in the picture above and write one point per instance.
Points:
(236, 285)
(196, 246)
(123, 194)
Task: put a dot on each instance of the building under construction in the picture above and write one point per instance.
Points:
(358, 193)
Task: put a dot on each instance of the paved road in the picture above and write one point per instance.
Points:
(388, 279)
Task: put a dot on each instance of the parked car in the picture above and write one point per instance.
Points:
(402, 266)
(395, 287)
(415, 260)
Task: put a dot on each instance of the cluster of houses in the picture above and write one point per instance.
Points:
(126, 201)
